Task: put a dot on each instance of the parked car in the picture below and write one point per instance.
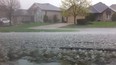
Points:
(4, 20)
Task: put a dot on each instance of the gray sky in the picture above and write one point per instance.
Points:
(27, 3)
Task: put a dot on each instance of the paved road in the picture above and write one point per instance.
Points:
(52, 26)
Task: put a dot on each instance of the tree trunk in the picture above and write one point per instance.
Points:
(75, 20)
(10, 21)
(10, 18)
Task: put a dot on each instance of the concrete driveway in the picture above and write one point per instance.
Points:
(81, 30)
(52, 26)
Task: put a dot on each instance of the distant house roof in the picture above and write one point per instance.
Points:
(113, 7)
(47, 6)
(22, 12)
(98, 8)
(93, 10)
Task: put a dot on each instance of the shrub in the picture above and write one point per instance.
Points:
(91, 17)
(63, 20)
(45, 19)
(114, 17)
(82, 21)
(55, 18)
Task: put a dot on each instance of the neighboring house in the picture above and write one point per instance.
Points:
(113, 7)
(35, 13)
(102, 12)
(19, 16)
(40, 10)
(22, 16)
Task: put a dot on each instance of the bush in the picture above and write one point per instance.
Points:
(91, 17)
(45, 19)
(114, 17)
(55, 19)
(82, 21)
(63, 20)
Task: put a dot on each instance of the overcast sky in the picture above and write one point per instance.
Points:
(25, 4)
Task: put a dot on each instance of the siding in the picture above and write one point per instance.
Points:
(51, 14)
(71, 18)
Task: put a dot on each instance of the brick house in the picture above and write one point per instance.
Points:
(35, 13)
(102, 11)
(39, 10)
(70, 18)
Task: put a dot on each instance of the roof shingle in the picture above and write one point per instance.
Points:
(98, 8)
(22, 12)
(47, 6)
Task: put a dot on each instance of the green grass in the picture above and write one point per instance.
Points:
(25, 28)
(21, 27)
(94, 25)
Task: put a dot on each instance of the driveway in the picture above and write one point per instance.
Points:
(52, 26)
(80, 30)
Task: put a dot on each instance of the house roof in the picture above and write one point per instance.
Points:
(22, 12)
(98, 8)
(47, 6)
(93, 10)
(113, 7)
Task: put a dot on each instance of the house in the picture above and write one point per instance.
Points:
(102, 12)
(40, 10)
(35, 13)
(22, 16)
(113, 6)
(18, 16)
(70, 18)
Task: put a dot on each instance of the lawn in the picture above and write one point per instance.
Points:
(25, 28)
(94, 25)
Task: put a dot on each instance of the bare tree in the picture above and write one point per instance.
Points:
(75, 7)
(9, 6)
